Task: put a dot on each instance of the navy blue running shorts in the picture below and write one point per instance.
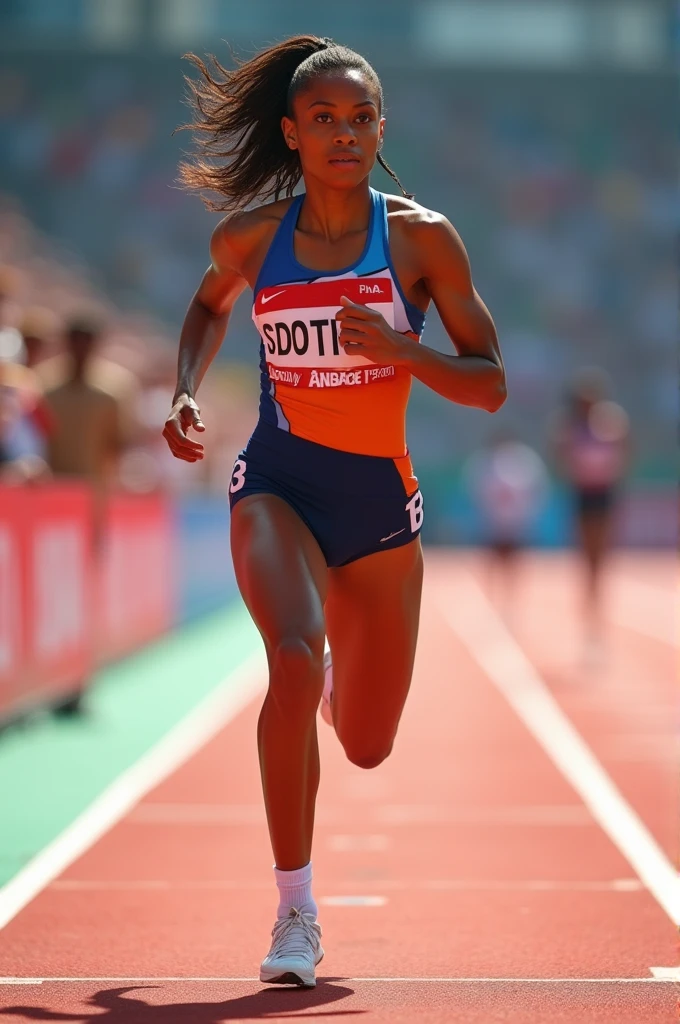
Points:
(354, 505)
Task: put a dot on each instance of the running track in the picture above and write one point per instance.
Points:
(489, 871)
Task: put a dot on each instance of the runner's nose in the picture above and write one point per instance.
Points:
(345, 134)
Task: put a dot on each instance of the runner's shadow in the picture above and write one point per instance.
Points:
(268, 1003)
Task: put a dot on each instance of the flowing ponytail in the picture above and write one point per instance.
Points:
(237, 115)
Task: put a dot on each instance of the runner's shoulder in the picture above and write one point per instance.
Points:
(241, 233)
(427, 230)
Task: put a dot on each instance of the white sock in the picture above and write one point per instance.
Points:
(295, 890)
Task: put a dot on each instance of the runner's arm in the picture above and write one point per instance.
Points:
(207, 317)
(202, 333)
(475, 376)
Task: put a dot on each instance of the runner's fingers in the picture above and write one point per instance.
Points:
(358, 315)
(186, 458)
(346, 334)
(353, 324)
(178, 440)
(358, 310)
(191, 417)
(186, 454)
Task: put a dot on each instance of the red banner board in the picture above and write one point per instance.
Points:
(64, 607)
(45, 593)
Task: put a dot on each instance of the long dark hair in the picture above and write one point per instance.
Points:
(243, 155)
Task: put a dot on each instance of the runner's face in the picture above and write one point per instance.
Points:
(337, 128)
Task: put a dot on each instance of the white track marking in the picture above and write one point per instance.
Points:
(157, 813)
(666, 973)
(353, 901)
(451, 981)
(537, 814)
(622, 885)
(370, 843)
(539, 885)
(187, 737)
(646, 609)
(160, 813)
(150, 813)
(474, 620)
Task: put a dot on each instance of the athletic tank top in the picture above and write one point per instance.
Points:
(310, 386)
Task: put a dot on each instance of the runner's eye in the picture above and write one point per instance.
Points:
(362, 118)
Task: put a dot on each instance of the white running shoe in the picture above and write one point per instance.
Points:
(295, 951)
(327, 695)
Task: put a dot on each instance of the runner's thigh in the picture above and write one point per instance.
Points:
(280, 570)
(372, 615)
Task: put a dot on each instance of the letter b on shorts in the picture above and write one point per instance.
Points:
(415, 511)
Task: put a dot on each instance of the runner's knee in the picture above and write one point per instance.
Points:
(368, 756)
(296, 673)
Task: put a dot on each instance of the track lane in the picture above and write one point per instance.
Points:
(479, 832)
(626, 707)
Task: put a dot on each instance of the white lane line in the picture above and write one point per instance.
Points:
(150, 813)
(474, 620)
(666, 973)
(528, 814)
(353, 901)
(370, 843)
(622, 885)
(157, 813)
(222, 704)
(539, 885)
(452, 981)
(645, 609)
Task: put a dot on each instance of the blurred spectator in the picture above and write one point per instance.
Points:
(508, 483)
(566, 200)
(592, 448)
(11, 344)
(88, 432)
(20, 458)
(38, 328)
(25, 418)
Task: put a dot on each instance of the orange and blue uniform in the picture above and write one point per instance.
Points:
(331, 434)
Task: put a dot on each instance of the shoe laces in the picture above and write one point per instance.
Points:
(293, 934)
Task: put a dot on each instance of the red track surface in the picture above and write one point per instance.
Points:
(486, 863)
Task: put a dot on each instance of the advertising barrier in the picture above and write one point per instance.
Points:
(46, 594)
(68, 605)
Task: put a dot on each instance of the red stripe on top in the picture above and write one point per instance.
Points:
(362, 290)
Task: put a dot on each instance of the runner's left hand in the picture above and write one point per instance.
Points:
(365, 332)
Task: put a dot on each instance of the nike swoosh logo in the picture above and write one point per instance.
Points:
(391, 535)
(270, 297)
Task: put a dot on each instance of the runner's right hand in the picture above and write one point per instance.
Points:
(184, 414)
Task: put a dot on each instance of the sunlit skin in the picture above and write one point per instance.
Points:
(337, 130)
(428, 254)
(369, 609)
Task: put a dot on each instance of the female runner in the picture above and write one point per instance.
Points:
(326, 511)
(592, 446)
